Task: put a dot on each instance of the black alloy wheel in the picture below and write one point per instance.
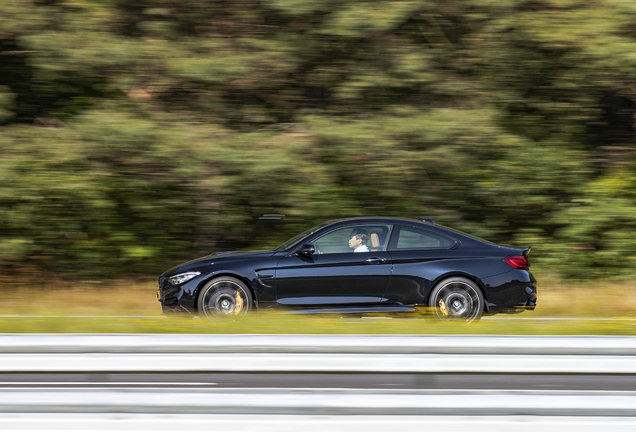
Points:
(224, 297)
(457, 300)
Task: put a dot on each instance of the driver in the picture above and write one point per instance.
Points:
(358, 240)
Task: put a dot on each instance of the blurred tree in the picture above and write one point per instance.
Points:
(133, 134)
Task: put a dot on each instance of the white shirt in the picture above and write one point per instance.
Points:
(361, 248)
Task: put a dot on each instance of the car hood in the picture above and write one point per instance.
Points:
(217, 258)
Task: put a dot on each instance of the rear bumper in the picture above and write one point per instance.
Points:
(531, 304)
(512, 292)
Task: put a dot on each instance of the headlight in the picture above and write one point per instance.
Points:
(183, 277)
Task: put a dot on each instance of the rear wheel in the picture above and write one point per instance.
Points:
(457, 300)
(224, 297)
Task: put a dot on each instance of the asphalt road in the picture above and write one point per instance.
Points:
(392, 381)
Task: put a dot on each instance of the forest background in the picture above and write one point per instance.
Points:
(134, 135)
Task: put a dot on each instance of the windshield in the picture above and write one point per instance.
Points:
(292, 241)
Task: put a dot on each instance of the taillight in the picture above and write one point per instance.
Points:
(517, 261)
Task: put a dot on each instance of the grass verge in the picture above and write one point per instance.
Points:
(286, 324)
(92, 307)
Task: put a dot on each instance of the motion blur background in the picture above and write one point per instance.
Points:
(134, 135)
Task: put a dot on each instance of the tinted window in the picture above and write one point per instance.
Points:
(413, 238)
(337, 241)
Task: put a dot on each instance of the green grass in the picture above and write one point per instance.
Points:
(285, 324)
(90, 307)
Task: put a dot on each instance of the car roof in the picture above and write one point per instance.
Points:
(376, 219)
(405, 221)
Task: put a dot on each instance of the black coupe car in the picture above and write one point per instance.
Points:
(359, 266)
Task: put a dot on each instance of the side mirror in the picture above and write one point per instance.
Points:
(307, 250)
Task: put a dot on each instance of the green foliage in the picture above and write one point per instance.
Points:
(6, 103)
(136, 134)
(601, 225)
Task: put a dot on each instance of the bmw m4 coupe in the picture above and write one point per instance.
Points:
(359, 266)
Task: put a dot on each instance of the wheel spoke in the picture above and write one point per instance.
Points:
(458, 301)
(224, 298)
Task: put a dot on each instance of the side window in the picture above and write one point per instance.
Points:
(413, 238)
(336, 241)
(357, 238)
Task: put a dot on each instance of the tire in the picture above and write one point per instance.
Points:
(457, 299)
(224, 297)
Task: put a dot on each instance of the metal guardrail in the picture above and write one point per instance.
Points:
(354, 344)
(332, 402)
(315, 423)
(316, 354)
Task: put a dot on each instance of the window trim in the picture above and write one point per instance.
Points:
(397, 229)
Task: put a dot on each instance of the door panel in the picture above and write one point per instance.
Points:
(332, 279)
(413, 274)
(419, 256)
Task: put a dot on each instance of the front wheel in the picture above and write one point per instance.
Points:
(225, 297)
(457, 300)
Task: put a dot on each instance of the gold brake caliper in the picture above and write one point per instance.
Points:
(442, 307)
(239, 303)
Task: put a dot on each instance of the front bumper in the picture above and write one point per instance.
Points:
(176, 298)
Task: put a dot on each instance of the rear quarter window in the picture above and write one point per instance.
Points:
(412, 238)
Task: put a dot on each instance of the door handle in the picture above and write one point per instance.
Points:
(376, 260)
